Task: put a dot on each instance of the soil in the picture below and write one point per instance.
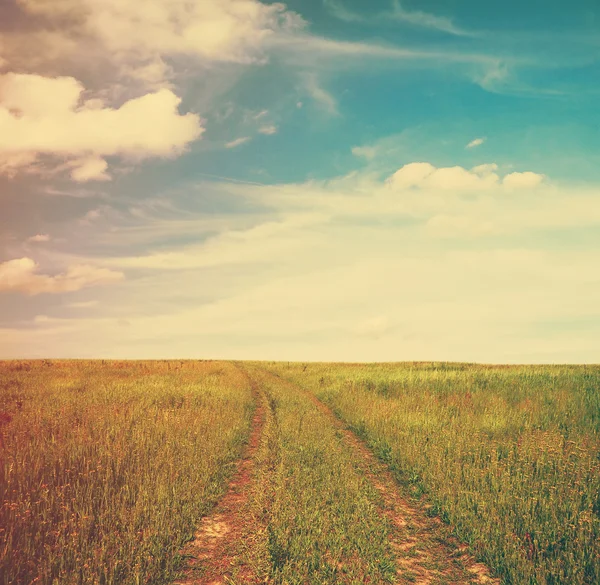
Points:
(214, 556)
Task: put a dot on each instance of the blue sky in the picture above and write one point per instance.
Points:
(322, 180)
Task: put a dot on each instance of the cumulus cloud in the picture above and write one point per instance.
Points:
(237, 142)
(21, 275)
(90, 169)
(138, 37)
(47, 116)
(522, 180)
(476, 142)
(424, 175)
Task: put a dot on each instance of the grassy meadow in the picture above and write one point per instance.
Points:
(319, 514)
(509, 456)
(106, 467)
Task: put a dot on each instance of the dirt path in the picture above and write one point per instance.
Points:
(215, 556)
(425, 553)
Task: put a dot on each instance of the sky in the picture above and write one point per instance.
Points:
(324, 180)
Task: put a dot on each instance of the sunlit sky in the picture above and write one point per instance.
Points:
(316, 180)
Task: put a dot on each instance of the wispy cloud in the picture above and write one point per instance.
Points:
(22, 275)
(237, 142)
(321, 96)
(397, 13)
(426, 20)
(476, 142)
(269, 129)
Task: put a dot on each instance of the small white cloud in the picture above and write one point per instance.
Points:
(271, 129)
(237, 142)
(21, 275)
(90, 169)
(522, 180)
(39, 238)
(410, 175)
(485, 169)
(476, 142)
(425, 176)
(260, 114)
(299, 105)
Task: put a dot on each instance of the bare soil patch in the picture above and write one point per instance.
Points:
(214, 556)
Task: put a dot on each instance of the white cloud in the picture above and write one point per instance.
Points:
(237, 142)
(522, 180)
(44, 116)
(90, 169)
(481, 177)
(39, 238)
(475, 142)
(21, 275)
(270, 129)
(485, 169)
(140, 35)
(416, 284)
(410, 175)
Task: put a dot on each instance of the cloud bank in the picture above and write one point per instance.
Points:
(20, 275)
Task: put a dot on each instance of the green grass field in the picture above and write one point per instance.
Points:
(106, 469)
(509, 456)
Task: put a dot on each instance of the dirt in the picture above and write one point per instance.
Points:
(214, 556)
(425, 552)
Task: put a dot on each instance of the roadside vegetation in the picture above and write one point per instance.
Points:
(107, 467)
(509, 456)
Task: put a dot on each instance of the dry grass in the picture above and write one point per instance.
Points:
(105, 468)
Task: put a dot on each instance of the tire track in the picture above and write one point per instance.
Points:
(216, 554)
(425, 555)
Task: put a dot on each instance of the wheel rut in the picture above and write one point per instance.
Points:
(215, 555)
(425, 553)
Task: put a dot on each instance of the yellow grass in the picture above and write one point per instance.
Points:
(105, 468)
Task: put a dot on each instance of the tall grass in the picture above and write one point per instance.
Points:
(510, 456)
(321, 517)
(105, 468)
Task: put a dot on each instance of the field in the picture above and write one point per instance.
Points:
(219, 472)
